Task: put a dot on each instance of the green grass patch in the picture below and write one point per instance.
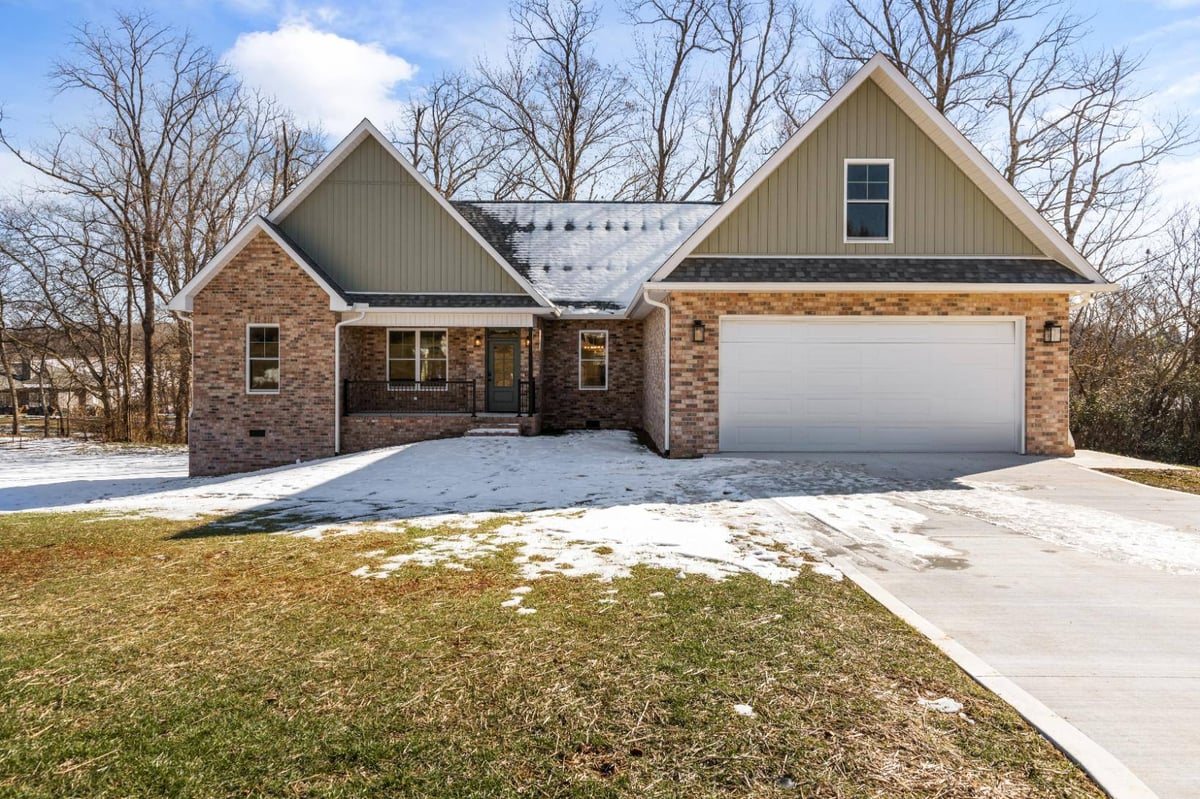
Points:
(1182, 479)
(140, 658)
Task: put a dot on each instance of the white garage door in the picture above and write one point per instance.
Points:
(873, 385)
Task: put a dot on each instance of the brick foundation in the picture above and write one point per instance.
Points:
(694, 367)
(365, 431)
(261, 285)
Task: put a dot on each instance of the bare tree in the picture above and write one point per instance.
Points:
(1135, 356)
(445, 135)
(670, 158)
(176, 155)
(149, 85)
(568, 114)
(953, 50)
(74, 285)
(755, 40)
(1098, 174)
(6, 276)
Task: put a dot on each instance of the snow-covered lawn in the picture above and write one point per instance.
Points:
(586, 503)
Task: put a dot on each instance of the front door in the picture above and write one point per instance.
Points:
(503, 372)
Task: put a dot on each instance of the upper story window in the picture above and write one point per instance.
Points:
(418, 356)
(869, 200)
(593, 359)
(262, 359)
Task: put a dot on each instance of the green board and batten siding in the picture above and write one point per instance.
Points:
(798, 209)
(374, 228)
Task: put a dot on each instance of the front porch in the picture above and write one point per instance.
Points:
(409, 383)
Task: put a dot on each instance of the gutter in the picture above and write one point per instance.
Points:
(361, 308)
(666, 446)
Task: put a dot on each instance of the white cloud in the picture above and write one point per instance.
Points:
(1180, 181)
(324, 78)
(16, 177)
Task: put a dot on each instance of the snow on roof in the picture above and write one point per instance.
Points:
(591, 257)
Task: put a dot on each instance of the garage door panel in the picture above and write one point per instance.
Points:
(804, 384)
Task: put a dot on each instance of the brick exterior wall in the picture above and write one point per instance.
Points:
(694, 367)
(653, 376)
(261, 285)
(564, 405)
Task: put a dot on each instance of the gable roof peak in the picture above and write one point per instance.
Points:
(362, 131)
(945, 136)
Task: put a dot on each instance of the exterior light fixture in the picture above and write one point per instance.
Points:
(698, 331)
(1052, 332)
(478, 340)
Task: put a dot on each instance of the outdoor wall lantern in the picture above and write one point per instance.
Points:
(1052, 332)
(698, 331)
(478, 340)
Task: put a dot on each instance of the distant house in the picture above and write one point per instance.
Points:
(875, 285)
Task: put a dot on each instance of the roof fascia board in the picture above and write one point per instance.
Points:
(366, 129)
(183, 300)
(960, 151)
(854, 256)
(467, 309)
(896, 288)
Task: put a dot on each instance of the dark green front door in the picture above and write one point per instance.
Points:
(503, 374)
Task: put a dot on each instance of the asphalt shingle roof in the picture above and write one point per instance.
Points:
(587, 256)
(872, 270)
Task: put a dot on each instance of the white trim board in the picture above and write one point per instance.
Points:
(945, 136)
(579, 360)
(891, 199)
(893, 288)
(346, 146)
(183, 300)
(443, 318)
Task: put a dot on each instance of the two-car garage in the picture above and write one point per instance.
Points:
(884, 384)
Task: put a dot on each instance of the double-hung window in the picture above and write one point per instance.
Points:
(593, 360)
(262, 359)
(417, 356)
(869, 200)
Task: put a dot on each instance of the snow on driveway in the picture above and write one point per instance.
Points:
(588, 503)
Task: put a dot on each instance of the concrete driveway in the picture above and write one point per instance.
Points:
(1109, 643)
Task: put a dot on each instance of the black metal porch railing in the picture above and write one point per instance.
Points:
(405, 397)
(526, 397)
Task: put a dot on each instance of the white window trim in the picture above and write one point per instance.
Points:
(419, 385)
(278, 358)
(891, 200)
(579, 361)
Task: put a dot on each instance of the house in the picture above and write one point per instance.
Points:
(875, 285)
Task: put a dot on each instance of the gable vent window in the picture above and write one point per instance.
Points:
(262, 359)
(869, 201)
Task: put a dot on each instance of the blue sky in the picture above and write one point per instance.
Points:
(339, 60)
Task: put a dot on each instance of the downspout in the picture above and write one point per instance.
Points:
(337, 374)
(666, 368)
(186, 316)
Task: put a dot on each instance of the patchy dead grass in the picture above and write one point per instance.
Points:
(140, 658)
(1181, 479)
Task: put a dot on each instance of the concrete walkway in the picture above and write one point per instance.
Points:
(1111, 646)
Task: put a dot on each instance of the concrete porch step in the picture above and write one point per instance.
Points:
(496, 429)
